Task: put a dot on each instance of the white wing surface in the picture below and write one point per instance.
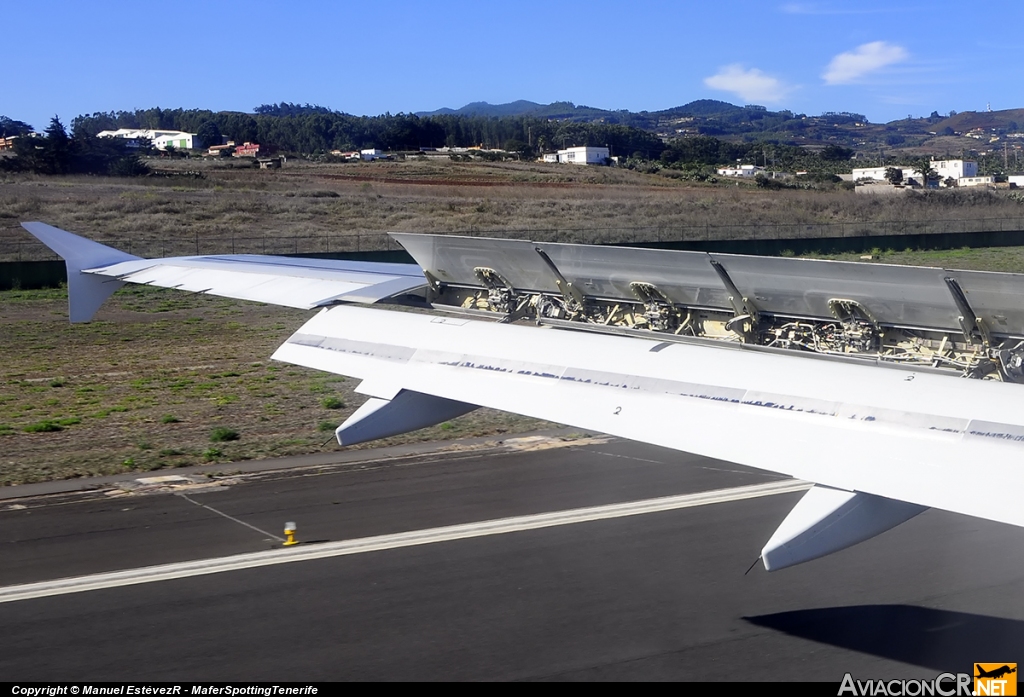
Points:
(926, 439)
(883, 432)
(95, 271)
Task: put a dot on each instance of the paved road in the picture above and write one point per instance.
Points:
(656, 596)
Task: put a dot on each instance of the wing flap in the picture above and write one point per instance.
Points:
(909, 443)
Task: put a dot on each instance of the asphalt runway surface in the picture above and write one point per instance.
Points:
(652, 596)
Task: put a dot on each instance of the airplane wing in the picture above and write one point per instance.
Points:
(95, 271)
(859, 384)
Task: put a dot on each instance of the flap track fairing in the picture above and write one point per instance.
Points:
(827, 520)
(407, 411)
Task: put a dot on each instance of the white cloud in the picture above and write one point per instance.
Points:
(865, 59)
(750, 85)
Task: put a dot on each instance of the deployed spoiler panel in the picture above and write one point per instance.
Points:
(996, 297)
(899, 296)
(603, 272)
(893, 295)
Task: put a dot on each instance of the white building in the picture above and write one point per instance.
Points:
(975, 181)
(740, 171)
(551, 157)
(582, 155)
(878, 173)
(372, 154)
(1016, 180)
(177, 140)
(958, 169)
(966, 170)
(159, 139)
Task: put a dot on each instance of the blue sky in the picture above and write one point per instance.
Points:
(882, 59)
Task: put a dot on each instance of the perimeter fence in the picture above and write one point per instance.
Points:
(16, 245)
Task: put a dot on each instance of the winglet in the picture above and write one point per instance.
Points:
(86, 292)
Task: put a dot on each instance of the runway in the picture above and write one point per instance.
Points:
(656, 595)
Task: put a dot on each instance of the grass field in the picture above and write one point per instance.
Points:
(145, 385)
(349, 206)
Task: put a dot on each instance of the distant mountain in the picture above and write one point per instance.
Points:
(516, 108)
(522, 107)
(711, 117)
(568, 110)
(704, 107)
(1007, 119)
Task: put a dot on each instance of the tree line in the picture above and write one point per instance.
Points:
(308, 129)
(707, 150)
(56, 152)
(311, 129)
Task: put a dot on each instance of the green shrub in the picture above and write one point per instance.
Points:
(170, 419)
(222, 434)
(47, 426)
(325, 426)
(332, 403)
(211, 454)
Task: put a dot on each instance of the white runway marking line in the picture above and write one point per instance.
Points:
(166, 572)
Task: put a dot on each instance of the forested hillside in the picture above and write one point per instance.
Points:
(702, 133)
(312, 129)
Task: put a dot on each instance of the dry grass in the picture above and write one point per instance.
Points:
(342, 207)
(143, 387)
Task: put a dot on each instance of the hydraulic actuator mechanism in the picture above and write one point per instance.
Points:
(966, 323)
